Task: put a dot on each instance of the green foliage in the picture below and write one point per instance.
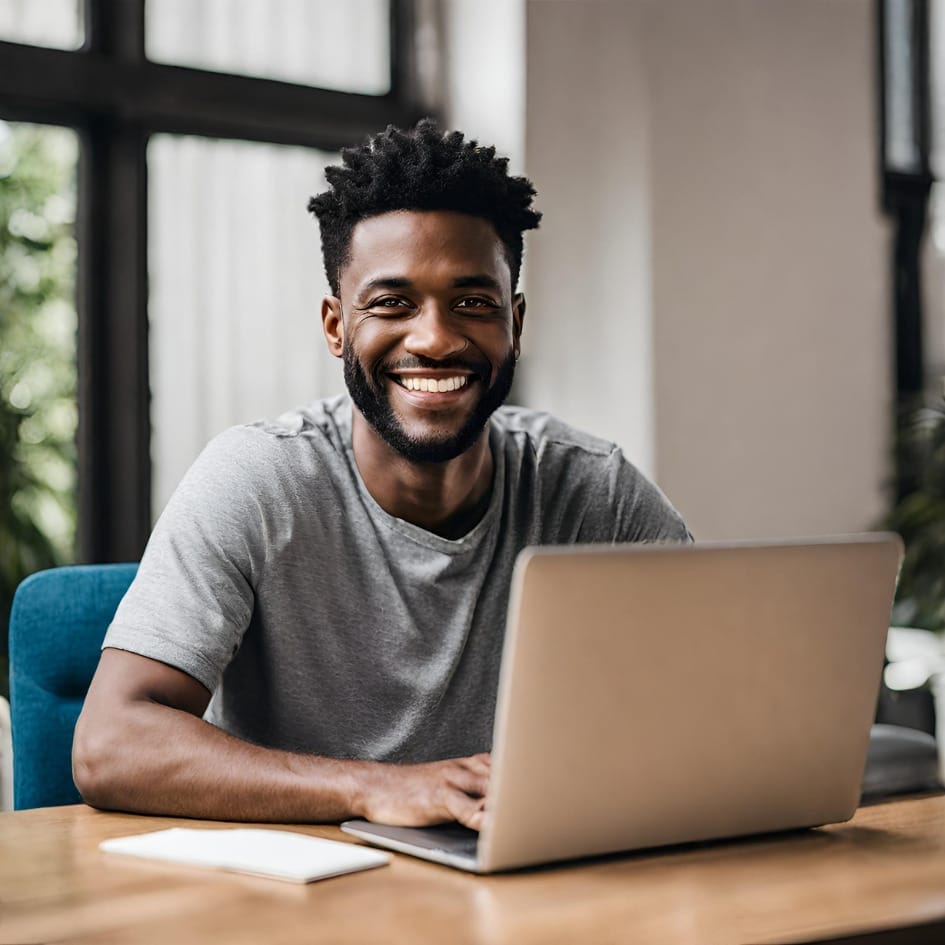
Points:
(919, 517)
(37, 356)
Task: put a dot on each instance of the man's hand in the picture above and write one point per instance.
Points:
(424, 794)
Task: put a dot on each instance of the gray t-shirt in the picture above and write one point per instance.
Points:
(323, 624)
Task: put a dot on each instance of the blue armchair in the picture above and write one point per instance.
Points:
(57, 624)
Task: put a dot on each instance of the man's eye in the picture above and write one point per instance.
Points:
(475, 301)
(389, 304)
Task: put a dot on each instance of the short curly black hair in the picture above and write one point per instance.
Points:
(422, 168)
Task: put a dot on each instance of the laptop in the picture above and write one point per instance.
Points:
(652, 695)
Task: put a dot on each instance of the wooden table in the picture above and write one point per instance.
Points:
(884, 870)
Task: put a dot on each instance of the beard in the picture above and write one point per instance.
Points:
(370, 396)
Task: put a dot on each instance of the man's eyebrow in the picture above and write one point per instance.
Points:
(387, 282)
(479, 281)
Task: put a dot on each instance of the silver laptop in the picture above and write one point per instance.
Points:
(661, 694)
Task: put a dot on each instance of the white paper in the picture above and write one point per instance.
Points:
(275, 853)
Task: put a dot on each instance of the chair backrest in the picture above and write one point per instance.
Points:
(57, 624)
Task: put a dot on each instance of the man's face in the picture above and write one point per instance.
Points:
(428, 329)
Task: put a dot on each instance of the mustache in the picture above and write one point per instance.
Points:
(419, 363)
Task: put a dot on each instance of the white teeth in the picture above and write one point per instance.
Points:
(434, 384)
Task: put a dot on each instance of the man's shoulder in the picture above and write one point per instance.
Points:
(329, 417)
(273, 455)
(578, 470)
(542, 432)
(321, 423)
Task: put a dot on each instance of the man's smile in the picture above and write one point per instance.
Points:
(431, 384)
(435, 391)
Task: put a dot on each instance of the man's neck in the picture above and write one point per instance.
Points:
(447, 499)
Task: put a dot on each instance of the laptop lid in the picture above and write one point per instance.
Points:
(652, 695)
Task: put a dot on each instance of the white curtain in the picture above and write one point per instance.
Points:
(236, 282)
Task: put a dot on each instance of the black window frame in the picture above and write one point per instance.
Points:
(116, 98)
(904, 197)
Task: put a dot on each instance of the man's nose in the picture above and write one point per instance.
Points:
(433, 334)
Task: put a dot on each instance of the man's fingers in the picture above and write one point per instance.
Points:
(479, 763)
(434, 792)
(466, 810)
(471, 781)
(468, 782)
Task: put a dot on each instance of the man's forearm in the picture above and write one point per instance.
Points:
(167, 761)
(162, 760)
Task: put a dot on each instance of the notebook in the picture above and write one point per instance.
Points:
(663, 694)
(277, 854)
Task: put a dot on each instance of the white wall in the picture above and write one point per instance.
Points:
(709, 285)
(587, 353)
(770, 306)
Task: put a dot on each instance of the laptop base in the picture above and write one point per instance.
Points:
(449, 844)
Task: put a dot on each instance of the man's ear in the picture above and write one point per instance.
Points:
(333, 325)
(518, 322)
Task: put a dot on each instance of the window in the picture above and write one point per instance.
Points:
(142, 127)
(37, 354)
(56, 23)
(324, 43)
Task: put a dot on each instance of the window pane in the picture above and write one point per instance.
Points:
(236, 282)
(902, 149)
(323, 43)
(37, 355)
(937, 69)
(57, 23)
(933, 285)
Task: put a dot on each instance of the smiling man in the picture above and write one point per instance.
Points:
(316, 625)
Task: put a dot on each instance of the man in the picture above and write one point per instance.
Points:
(316, 626)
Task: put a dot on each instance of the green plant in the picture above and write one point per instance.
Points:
(37, 356)
(919, 517)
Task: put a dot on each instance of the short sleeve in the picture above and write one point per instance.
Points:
(643, 513)
(192, 598)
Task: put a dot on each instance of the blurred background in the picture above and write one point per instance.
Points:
(740, 274)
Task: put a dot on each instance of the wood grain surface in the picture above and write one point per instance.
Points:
(884, 870)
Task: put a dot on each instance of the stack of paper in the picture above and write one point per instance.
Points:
(275, 853)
